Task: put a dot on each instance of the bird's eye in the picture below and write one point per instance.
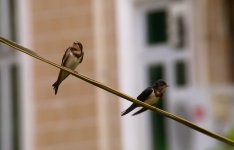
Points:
(80, 45)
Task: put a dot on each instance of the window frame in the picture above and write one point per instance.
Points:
(167, 57)
(132, 55)
(22, 31)
(6, 85)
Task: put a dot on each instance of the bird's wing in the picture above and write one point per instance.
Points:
(142, 97)
(145, 94)
(82, 57)
(65, 56)
(129, 109)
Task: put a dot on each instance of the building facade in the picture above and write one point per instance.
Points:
(188, 43)
(128, 44)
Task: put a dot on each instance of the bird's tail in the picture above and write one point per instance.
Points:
(133, 106)
(56, 86)
(139, 111)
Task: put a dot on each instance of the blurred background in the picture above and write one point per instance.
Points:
(128, 44)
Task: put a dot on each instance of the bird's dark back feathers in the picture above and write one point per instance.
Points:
(144, 95)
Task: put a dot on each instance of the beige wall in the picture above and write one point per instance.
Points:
(212, 42)
(71, 119)
(218, 40)
(80, 116)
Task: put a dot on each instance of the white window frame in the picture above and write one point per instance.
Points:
(164, 55)
(5, 63)
(135, 134)
(26, 107)
(133, 62)
(24, 30)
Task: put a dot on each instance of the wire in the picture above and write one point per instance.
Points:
(118, 93)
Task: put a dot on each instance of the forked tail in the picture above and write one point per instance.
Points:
(133, 106)
(56, 86)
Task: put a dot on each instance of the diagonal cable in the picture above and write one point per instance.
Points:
(118, 93)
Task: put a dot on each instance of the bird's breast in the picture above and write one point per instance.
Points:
(152, 99)
(72, 61)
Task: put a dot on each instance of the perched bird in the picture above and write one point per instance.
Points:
(150, 95)
(71, 59)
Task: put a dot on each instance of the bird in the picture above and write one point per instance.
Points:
(72, 57)
(151, 95)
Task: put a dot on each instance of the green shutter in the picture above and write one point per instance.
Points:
(15, 107)
(158, 121)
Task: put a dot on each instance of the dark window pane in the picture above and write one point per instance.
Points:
(181, 33)
(180, 69)
(158, 121)
(155, 72)
(156, 27)
(12, 19)
(15, 107)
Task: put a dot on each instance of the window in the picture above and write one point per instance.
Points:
(157, 35)
(181, 32)
(180, 73)
(158, 121)
(15, 106)
(166, 56)
(9, 82)
(156, 27)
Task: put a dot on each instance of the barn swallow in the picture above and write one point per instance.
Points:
(71, 59)
(150, 95)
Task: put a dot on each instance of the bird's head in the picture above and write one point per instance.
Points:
(78, 46)
(160, 85)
